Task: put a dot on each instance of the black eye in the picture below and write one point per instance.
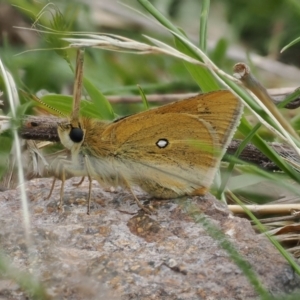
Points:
(76, 135)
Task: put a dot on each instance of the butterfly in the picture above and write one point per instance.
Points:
(170, 151)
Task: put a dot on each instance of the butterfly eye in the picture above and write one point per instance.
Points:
(76, 135)
(162, 143)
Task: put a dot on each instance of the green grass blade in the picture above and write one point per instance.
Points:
(144, 98)
(102, 105)
(158, 16)
(201, 75)
(203, 24)
(224, 242)
(218, 54)
(289, 98)
(295, 41)
(26, 281)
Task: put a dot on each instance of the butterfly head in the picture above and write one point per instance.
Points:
(71, 136)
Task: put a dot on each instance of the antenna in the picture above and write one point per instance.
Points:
(36, 99)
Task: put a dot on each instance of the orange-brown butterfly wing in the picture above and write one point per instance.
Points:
(176, 147)
(162, 152)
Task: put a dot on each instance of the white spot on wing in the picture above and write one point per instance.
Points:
(162, 143)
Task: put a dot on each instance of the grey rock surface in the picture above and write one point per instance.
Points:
(118, 252)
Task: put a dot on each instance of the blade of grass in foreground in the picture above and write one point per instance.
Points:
(25, 280)
(224, 242)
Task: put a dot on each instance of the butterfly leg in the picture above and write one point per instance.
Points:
(64, 169)
(54, 169)
(57, 169)
(61, 195)
(70, 169)
(89, 195)
(137, 201)
(89, 172)
(51, 190)
(80, 182)
(88, 168)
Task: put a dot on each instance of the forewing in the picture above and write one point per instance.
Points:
(178, 145)
(173, 149)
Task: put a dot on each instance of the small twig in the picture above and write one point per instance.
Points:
(266, 209)
(278, 95)
(293, 217)
(42, 128)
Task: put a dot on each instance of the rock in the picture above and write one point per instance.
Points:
(118, 252)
